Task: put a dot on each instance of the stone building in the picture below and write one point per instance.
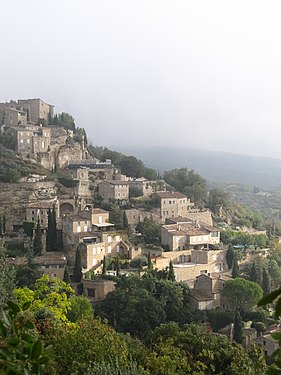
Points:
(14, 117)
(189, 235)
(206, 292)
(96, 290)
(30, 140)
(135, 216)
(39, 210)
(31, 111)
(114, 190)
(37, 109)
(148, 187)
(172, 204)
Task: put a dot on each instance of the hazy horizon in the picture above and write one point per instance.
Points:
(202, 75)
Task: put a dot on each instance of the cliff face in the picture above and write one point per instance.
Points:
(14, 198)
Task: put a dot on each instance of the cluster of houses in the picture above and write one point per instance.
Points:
(189, 239)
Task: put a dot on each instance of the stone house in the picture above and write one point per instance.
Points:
(29, 140)
(189, 235)
(136, 216)
(206, 292)
(37, 109)
(114, 190)
(148, 187)
(267, 343)
(96, 290)
(51, 263)
(39, 210)
(14, 117)
(95, 236)
(172, 204)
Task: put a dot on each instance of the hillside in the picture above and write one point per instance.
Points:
(214, 166)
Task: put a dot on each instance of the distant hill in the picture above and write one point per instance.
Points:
(214, 166)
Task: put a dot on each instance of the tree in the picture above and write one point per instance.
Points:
(149, 262)
(217, 199)
(188, 182)
(237, 329)
(77, 274)
(48, 298)
(125, 221)
(230, 256)
(149, 229)
(66, 277)
(131, 166)
(104, 268)
(254, 274)
(55, 234)
(80, 309)
(37, 242)
(242, 295)
(50, 232)
(265, 282)
(171, 272)
(22, 351)
(7, 277)
(66, 120)
(235, 268)
(117, 266)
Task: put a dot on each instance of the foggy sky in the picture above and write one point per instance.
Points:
(195, 73)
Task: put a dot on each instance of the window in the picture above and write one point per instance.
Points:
(117, 249)
(94, 251)
(109, 249)
(94, 262)
(109, 239)
(170, 202)
(28, 140)
(21, 141)
(117, 238)
(91, 293)
(78, 229)
(43, 144)
(85, 228)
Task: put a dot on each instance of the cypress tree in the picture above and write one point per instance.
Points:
(55, 235)
(66, 277)
(235, 268)
(149, 263)
(4, 225)
(254, 275)
(237, 329)
(50, 232)
(1, 228)
(125, 221)
(230, 256)
(117, 267)
(37, 242)
(77, 275)
(104, 267)
(171, 272)
(265, 282)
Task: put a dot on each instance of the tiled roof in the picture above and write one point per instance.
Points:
(190, 229)
(46, 258)
(99, 211)
(200, 296)
(170, 194)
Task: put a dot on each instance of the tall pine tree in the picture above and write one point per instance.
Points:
(37, 242)
(77, 274)
(50, 232)
(171, 272)
(104, 265)
(265, 282)
(230, 256)
(117, 266)
(149, 262)
(55, 234)
(235, 268)
(237, 329)
(254, 273)
(66, 277)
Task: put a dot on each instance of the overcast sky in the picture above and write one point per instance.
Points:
(192, 73)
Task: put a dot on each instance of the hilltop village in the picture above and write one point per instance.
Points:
(63, 208)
